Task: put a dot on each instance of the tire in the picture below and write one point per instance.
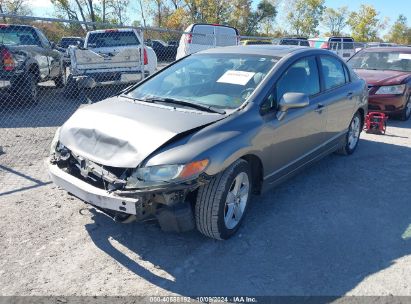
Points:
(406, 113)
(71, 90)
(61, 80)
(215, 213)
(28, 93)
(352, 137)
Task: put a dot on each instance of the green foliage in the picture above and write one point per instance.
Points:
(365, 24)
(400, 32)
(335, 20)
(304, 16)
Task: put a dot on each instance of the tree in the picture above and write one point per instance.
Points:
(119, 8)
(15, 7)
(365, 24)
(240, 13)
(335, 20)
(304, 16)
(400, 33)
(265, 13)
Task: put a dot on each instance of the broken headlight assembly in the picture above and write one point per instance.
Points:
(165, 174)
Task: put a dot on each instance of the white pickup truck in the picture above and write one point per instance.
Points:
(112, 56)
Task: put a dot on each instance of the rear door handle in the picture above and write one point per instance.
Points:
(350, 95)
(320, 108)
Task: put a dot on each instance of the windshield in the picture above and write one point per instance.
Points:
(111, 39)
(218, 80)
(396, 61)
(66, 42)
(18, 35)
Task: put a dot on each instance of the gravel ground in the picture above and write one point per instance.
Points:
(341, 227)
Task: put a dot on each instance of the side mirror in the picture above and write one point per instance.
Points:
(292, 101)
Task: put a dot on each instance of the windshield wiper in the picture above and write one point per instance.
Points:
(184, 103)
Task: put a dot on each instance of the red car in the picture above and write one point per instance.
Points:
(387, 71)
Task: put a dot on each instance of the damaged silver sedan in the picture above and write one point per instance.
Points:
(192, 143)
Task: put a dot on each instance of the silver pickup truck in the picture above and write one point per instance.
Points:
(111, 56)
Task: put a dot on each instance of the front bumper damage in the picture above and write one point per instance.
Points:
(93, 195)
(168, 204)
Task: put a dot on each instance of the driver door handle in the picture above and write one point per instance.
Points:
(320, 108)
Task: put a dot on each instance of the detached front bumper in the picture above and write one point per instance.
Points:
(93, 195)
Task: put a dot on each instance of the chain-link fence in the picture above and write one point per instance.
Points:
(51, 67)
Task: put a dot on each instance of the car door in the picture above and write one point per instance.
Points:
(203, 38)
(294, 140)
(53, 56)
(225, 36)
(338, 97)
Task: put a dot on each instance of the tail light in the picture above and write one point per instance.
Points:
(8, 60)
(189, 38)
(145, 57)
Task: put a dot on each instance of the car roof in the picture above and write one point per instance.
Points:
(263, 49)
(388, 49)
(114, 30)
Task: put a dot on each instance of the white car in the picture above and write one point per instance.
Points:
(199, 37)
(342, 46)
(112, 56)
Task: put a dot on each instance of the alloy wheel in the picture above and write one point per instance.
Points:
(354, 132)
(236, 200)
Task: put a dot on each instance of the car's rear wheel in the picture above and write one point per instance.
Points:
(61, 80)
(27, 93)
(406, 113)
(352, 137)
(71, 90)
(222, 203)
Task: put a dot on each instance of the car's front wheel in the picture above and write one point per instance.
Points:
(352, 136)
(222, 203)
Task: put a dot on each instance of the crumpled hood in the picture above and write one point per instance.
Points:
(383, 77)
(119, 133)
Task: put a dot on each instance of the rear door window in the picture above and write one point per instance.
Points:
(18, 35)
(348, 44)
(203, 34)
(333, 72)
(112, 39)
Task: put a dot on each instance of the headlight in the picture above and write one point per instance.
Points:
(395, 89)
(54, 142)
(164, 174)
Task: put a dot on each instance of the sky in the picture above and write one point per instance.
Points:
(387, 8)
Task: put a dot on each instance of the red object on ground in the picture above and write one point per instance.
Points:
(375, 122)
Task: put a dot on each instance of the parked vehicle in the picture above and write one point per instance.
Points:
(198, 37)
(173, 42)
(388, 74)
(381, 44)
(301, 41)
(111, 56)
(65, 42)
(27, 58)
(342, 46)
(206, 132)
(63, 45)
(255, 42)
(164, 51)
